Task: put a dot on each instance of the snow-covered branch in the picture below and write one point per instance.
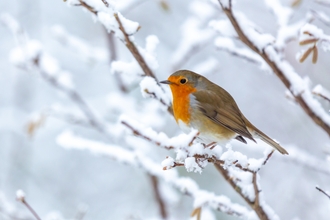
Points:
(194, 156)
(30, 56)
(136, 159)
(262, 44)
(122, 28)
(246, 183)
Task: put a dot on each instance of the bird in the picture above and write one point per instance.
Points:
(203, 105)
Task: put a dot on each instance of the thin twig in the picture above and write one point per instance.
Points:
(113, 56)
(159, 199)
(322, 191)
(74, 96)
(321, 95)
(105, 3)
(138, 133)
(134, 51)
(129, 44)
(31, 210)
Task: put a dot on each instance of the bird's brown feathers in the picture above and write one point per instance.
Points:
(226, 114)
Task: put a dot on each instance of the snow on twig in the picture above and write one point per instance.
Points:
(136, 159)
(123, 28)
(322, 92)
(20, 196)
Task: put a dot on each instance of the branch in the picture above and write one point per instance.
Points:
(20, 196)
(159, 199)
(323, 93)
(113, 56)
(129, 44)
(284, 72)
(185, 185)
(322, 191)
(222, 166)
(132, 48)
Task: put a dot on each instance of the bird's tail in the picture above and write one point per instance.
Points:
(269, 141)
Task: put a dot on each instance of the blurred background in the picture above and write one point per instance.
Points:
(76, 184)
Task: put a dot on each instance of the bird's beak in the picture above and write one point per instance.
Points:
(166, 82)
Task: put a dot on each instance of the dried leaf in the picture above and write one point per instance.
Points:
(306, 54)
(308, 41)
(306, 32)
(296, 3)
(315, 54)
(34, 125)
(197, 212)
(164, 5)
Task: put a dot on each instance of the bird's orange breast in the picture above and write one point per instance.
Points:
(181, 102)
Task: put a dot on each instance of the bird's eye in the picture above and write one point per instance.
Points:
(183, 81)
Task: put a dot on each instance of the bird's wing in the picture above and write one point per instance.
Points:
(221, 111)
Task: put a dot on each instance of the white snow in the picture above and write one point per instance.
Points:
(260, 40)
(168, 163)
(20, 195)
(282, 13)
(318, 89)
(191, 165)
(70, 141)
(223, 27)
(25, 54)
(150, 87)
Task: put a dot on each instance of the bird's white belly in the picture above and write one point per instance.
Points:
(205, 137)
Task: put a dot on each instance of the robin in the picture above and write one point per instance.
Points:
(200, 104)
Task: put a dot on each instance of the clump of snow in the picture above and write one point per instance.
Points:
(131, 27)
(230, 157)
(282, 13)
(20, 195)
(202, 9)
(223, 27)
(168, 163)
(191, 165)
(318, 89)
(260, 40)
(26, 53)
